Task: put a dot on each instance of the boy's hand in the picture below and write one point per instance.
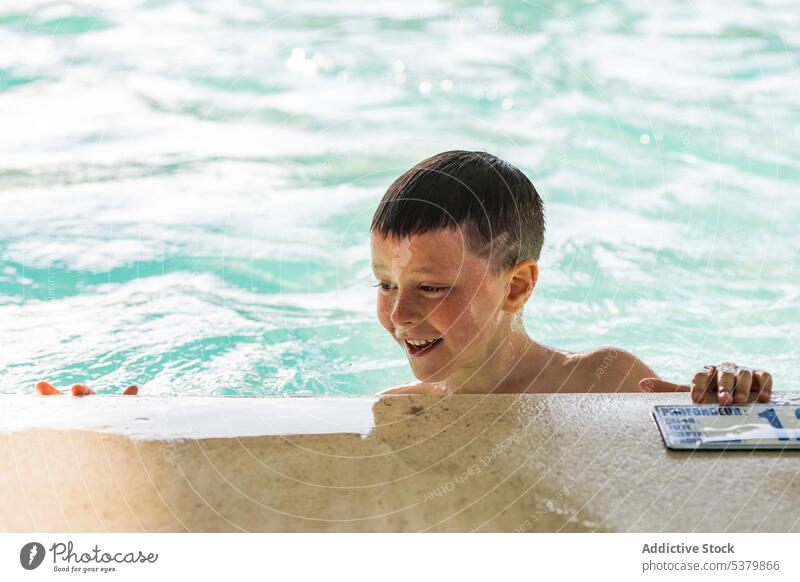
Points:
(47, 389)
(726, 383)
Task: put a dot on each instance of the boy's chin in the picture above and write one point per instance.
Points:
(428, 376)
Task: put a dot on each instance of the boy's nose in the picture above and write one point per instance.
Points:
(404, 312)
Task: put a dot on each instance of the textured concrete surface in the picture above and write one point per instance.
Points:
(554, 462)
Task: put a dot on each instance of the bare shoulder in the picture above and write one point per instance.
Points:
(600, 355)
(413, 388)
(609, 369)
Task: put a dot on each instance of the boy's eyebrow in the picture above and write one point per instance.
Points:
(420, 270)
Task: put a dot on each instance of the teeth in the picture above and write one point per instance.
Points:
(420, 343)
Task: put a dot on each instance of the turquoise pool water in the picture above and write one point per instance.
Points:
(185, 191)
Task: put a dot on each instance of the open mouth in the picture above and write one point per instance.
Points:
(421, 348)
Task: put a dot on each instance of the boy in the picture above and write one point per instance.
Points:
(455, 243)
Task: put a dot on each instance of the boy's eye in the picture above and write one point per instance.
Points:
(424, 288)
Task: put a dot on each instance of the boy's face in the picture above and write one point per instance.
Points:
(432, 287)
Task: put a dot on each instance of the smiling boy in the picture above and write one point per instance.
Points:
(455, 246)
(455, 243)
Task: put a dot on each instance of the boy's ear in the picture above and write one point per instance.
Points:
(523, 277)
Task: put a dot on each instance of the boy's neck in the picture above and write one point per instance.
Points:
(509, 364)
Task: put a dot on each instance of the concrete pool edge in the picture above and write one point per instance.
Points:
(556, 462)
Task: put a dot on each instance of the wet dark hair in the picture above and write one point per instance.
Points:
(496, 205)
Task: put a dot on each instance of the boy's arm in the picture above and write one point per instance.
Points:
(415, 388)
(726, 383)
(47, 389)
(393, 390)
